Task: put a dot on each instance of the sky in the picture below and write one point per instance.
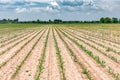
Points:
(59, 9)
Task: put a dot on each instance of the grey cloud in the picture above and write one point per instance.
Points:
(71, 3)
(63, 5)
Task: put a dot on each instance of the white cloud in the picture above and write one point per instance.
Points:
(49, 9)
(20, 10)
(54, 3)
(66, 8)
(10, 1)
(21, 6)
(35, 9)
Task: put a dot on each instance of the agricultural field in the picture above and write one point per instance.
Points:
(60, 52)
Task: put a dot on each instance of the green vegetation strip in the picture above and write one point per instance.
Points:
(23, 61)
(59, 56)
(74, 57)
(90, 53)
(42, 59)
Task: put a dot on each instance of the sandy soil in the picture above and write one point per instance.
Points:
(13, 44)
(71, 71)
(15, 38)
(8, 34)
(13, 50)
(52, 70)
(7, 71)
(51, 67)
(102, 49)
(108, 61)
(90, 64)
(28, 70)
(108, 41)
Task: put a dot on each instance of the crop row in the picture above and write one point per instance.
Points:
(75, 59)
(5, 62)
(98, 42)
(93, 47)
(107, 55)
(23, 61)
(61, 62)
(15, 44)
(103, 38)
(90, 53)
(95, 36)
(14, 39)
(42, 59)
(113, 73)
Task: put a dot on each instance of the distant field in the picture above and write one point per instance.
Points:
(59, 51)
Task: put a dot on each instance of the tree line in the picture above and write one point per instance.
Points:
(9, 21)
(102, 20)
(109, 20)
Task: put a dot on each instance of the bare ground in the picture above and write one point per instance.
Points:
(28, 70)
(90, 64)
(7, 71)
(51, 67)
(71, 71)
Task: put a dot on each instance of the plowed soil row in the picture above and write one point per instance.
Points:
(51, 53)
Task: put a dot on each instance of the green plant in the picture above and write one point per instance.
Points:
(74, 57)
(41, 62)
(96, 58)
(5, 62)
(23, 61)
(113, 73)
(108, 49)
(59, 56)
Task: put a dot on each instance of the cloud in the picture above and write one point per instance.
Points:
(34, 9)
(71, 2)
(19, 10)
(21, 6)
(67, 9)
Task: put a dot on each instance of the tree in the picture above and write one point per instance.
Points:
(102, 20)
(50, 21)
(38, 21)
(4, 20)
(15, 20)
(57, 21)
(115, 20)
(107, 20)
